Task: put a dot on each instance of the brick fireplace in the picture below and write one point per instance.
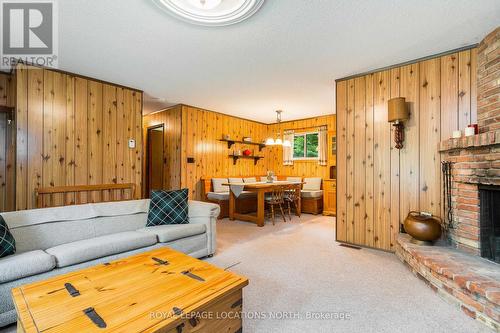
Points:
(476, 159)
(465, 273)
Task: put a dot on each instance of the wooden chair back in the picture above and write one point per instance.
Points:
(277, 195)
(81, 194)
(291, 192)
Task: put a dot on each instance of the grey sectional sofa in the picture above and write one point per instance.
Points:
(53, 241)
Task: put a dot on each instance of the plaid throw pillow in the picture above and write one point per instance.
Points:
(7, 241)
(168, 207)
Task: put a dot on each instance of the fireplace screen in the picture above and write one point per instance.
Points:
(490, 222)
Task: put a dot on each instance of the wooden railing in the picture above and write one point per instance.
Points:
(81, 194)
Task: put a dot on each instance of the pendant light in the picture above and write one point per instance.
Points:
(278, 141)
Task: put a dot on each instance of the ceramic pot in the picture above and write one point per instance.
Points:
(247, 152)
(423, 227)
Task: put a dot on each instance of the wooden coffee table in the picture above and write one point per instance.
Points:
(158, 291)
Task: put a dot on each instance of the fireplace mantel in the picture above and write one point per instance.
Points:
(469, 142)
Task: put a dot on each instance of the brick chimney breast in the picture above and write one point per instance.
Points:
(488, 85)
(476, 159)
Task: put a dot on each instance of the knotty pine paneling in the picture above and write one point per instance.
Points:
(430, 136)
(192, 132)
(7, 143)
(350, 161)
(74, 131)
(441, 97)
(395, 165)
(341, 98)
(382, 161)
(201, 132)
(171, 119)
(369, 165)
(359, 140)
(300, 168)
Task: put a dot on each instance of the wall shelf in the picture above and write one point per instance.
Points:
(230, 143)
(254, 158)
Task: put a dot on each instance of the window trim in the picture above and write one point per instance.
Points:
(304, 134)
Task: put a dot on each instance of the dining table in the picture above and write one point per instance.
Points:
(260, 189)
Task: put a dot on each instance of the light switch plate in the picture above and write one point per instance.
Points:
(131, 143)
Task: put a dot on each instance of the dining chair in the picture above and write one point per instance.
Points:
(276, 198)
(292, 197)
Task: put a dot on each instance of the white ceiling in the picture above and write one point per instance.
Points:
(284, 57)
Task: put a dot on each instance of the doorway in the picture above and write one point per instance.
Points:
(155, 159)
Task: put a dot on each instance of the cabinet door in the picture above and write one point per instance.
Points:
(330, 198)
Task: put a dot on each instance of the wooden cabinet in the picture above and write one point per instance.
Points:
(330, 197)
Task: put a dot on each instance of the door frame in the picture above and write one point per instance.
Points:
(148, 157)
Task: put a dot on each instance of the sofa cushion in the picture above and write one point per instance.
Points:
(35, 229)
(312, 184)
(217, 184)
(218, 196)
(311, 194)
(250, 180)
(168, 207)
(7, 241)
(88, 249)
(168, 233)
(235, 180)
(26, 264)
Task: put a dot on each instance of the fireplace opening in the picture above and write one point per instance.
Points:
(489, 197)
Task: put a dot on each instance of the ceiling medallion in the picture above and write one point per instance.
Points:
(211, 12)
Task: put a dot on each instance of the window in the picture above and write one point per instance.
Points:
(305, 146)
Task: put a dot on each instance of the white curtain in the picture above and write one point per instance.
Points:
(288, 151)
(323, 145)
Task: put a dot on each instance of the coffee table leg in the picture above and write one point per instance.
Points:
(260, 208)
(232, 205)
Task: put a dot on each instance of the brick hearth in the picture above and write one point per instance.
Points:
(470, 282)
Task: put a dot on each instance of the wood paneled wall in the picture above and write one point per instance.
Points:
(299, 168)
(378, 185)
(74, 131)
(7, 143)
(201, 132)
(172, 125)
(192, 132)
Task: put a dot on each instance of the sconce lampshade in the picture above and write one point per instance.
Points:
(397, 110)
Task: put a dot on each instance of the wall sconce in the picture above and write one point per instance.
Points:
(398, 113)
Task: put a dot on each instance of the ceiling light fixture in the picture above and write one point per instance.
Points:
(205, 4)
(278, 141)
(211, 12)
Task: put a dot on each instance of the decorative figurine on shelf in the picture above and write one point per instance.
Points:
(270, 176)
(247, 152)
(247, 139)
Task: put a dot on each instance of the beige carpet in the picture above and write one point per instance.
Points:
(297, 268)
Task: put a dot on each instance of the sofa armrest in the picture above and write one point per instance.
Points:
(207, 213)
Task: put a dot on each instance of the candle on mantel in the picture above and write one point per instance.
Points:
(469, 131)
(457, 134)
